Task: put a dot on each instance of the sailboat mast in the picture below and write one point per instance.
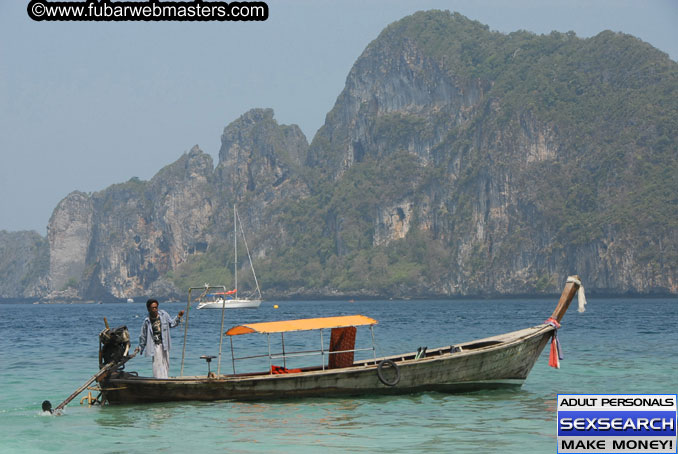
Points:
(249, 257)
(235, 248)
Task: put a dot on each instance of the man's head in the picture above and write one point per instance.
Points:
(47, 406)
(152, 306)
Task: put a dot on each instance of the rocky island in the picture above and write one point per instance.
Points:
(457, 161)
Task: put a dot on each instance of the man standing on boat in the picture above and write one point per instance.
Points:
(157, 328)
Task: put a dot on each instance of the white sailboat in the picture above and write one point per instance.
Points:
(230, 299)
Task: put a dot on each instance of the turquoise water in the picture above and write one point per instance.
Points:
(47, 351)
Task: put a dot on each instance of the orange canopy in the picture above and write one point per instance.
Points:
(303, 324)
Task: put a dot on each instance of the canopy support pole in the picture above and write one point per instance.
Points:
(374, 348)
(270, 360)
(183, 350)
(322, 349)
(232, 354)
(221, 332)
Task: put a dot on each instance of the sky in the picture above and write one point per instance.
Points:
(84, 105)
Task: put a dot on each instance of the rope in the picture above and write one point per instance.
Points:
(581, 296)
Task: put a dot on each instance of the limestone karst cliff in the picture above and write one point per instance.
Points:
(24, 264)
(529, 157)
(456, 161)
(125, 240)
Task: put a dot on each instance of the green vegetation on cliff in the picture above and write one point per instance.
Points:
(456, 161)
(567, 146)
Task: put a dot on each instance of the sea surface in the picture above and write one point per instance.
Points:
(47, 351)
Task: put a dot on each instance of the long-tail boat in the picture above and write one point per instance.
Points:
(493, 362)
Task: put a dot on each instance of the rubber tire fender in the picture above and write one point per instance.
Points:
(380, 372)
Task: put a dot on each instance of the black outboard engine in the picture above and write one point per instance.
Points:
(113, 345)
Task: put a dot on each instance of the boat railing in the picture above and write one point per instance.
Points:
(284, 355)
(204, 291)
(280, 355)
(314, 352)
(300, 353)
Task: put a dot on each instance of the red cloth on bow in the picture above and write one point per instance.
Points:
(555, 355)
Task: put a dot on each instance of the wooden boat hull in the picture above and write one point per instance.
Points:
(494, 362)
